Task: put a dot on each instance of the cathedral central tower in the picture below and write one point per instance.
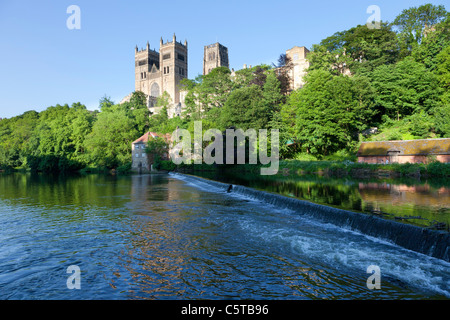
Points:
(159, 72)
(215, 55)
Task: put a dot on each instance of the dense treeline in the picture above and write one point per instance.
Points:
(69, 138)
(395, 77)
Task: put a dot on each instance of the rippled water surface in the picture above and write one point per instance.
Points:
(172, 237)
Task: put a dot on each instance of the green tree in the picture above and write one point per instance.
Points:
(331, 111)
(245, 109)
(136, 110)
(359, 49)
(284, 69)
(105, 103)
(441, 112)
(412, 23)
(443, 68)
(442, 120)
(156, 149)
(405, 88)
(16, 135)
(56, 143)
(434, 41)
(272, 92)
(109, 143)
(138, 100)
(214, 88)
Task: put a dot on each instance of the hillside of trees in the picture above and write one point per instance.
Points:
(395, 78)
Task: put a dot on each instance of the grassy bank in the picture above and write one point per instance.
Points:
(336, 168)
(361, 170)
(344, 168)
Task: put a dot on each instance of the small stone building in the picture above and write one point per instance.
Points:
(300, 64)
(142, 162)
(407, 151)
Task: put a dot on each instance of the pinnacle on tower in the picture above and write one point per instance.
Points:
(161, 41)
(174, 38)
(148, 45)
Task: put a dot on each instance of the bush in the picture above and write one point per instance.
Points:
(304, 157)
(438, 169)
(167, 165)
(6, 168)
(99, 169)
(341, 155)
(126, 168)
(52, 164)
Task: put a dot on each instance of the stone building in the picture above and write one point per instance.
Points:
(159, 72)
(141, 161)
(406, 151)
(215, 55)
(297, 56)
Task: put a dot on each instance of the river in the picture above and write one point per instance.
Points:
(177, 237)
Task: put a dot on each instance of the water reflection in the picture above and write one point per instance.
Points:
(161, 247)
(422, 203)
(156, 237)
(422, 195)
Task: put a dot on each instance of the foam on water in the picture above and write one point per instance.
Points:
(337, 245)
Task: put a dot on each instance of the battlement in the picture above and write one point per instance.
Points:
(159, 72)
(215, 55)
(173, 42)
(147, 49)
(142, 50)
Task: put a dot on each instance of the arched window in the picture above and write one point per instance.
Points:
(154, 91)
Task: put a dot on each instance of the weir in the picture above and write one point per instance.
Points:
(433, 243)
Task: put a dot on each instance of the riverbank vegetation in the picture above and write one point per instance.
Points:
(333, 169)
(395, 78)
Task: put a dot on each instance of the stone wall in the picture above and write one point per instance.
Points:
(404, 159)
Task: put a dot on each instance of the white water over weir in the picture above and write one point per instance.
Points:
(433, 243)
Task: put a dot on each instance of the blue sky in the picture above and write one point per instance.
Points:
(43, 63)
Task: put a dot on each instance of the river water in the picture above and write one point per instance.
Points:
(175, 237)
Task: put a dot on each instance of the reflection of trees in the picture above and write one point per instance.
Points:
(423, 195)
(149, 187)
(431, 204)
(70, 192)
(343, 194)
(397, 197)
(164, 236)
(160, 264)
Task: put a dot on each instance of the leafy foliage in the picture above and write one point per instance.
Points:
(395, 78)
(413, 23)
(330, 111)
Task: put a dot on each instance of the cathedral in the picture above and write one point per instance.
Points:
(161, 71)
(158, 72)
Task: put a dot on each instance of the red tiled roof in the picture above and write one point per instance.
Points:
(147, 136)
